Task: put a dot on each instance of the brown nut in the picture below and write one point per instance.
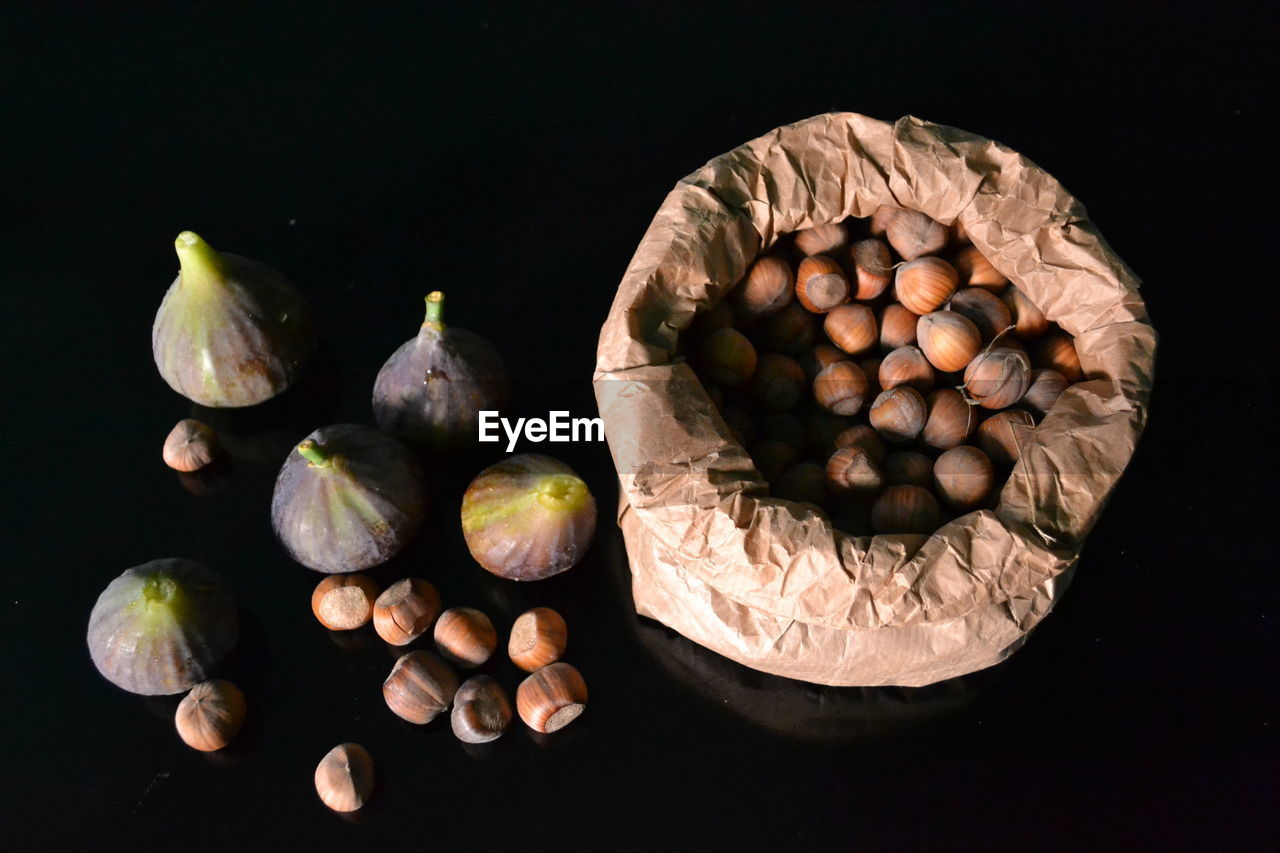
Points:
(905, 509)
(1045, 389)
(976, 271)
(1028, 320)
(949, 340)
(985, 310)
(899, 413)
(464, 636)
(189, 446)
(344, 777)
(787, 331)
(803, 483)
(772, 458)
(405, 611)
(852, 471)
(419, 687)
(822, 239)
(1057, 351)
(906, 366)
(852, 328)
(841, 388)
(998, 377)
(872, 268)
(913, 234)
(820, 430)
(951, 419)
(767, 287)
(1003, 435)
(924, 285)
(870, 368)
(344, 602)
(963, 477)
(820, 356)
(782, 426)
(897, 326)
(551, 698)
(820, 284)
(908, 468)
(209, 717)
(481, 710)
(727, 358)
(713, 320)
(538, 638)
(861, 435)
(959, 235)
(879, 221)
(779, 382)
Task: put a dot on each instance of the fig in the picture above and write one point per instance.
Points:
(162, 627)
(230, 331)
(432, 389)
(347, 498)
(528, 517)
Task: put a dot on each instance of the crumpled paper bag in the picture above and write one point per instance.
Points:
(773, 585)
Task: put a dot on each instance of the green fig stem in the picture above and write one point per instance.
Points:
(435, 311)
(315, 454)
(200, 262)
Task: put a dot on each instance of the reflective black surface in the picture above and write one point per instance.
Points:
(514, 157)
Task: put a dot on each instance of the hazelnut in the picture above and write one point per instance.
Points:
(210, 715)
(906, 366)
(897, 326)
(820, 356)
(924, 285)
(551, 698)
(949, 340)
(767, 287)
(959, 235)
(1003, 435)
(803, 483)
(914, 234)
(713, 320)
(1045, 389)
(821, 430)
(538, 637)
(779, 382)
(788, 331)
(344, 602)
(190, 446)
(872, 268)
(987, 312)
(899, 413)
(728, 358)
(822, 239)
(344, 777)
(820, 284)
(870, 367)
(905, 509)
(772, 458)
(1028, 321)
(908, 468)
(964, 477)
(465, 636)
(976, 271)
(852, 328)
(405, 611)
(951, 419)
(1057, 351)
(786, 427)
(998, 377)
(841, 388)
(481, 710)
(419, 687)
(852, 471)
(880, 219)
(865, 437)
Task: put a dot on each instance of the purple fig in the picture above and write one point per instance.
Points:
(162, 627)
(230, 332)
(348, 498)
(432, 389)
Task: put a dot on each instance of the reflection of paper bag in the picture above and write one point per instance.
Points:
(773, 585)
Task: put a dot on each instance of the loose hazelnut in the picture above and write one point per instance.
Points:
(841, 388)
(899, 413)
(1003, 435)
(976, 271)
(728, 358)
(852, 328)
(419, 687)
(906, 366)
(852, 471)
(865, 437)
(803, 483)
(344, 777)
(538, 638)
(820, 284)
(344, 602)
(959, 235)
(551, 698)
(897, 326)
(1045, 389)
(879, 221)
(767, 287)
(190, 446)
(713, 320)
(465, 636)
(820, 356)
(405, 611)
(779, 382)
(949, 340)
(772, 458)
(872, 268)
(1057, 351)
(209, 717)
(822, 239)
(870, 367)
(908, 468)
(1029, 322)
(964, 477)
(913, 235)
(481, 710)
(905, 509)
(787, 331)
(821, 429)
(951, 419)
(987, 312)
(924, 285)
(998, 377)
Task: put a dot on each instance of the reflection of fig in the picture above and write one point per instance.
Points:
(528, 518)
(347, 499)
(230, 331)
(430, 392)
(162, 627)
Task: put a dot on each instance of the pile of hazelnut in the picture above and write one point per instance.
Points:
(881, 370)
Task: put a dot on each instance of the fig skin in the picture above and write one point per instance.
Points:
(430, 391)
(162, 627)
(528, 517)
(348, 498)
(230, 332)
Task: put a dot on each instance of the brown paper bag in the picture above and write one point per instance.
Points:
(773, 585)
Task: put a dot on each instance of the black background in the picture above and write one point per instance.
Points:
(513, 155)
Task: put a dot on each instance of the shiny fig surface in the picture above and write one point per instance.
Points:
(431, 390)
(528, 517)
(230, 331)
(347, 498)
(162, 627)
